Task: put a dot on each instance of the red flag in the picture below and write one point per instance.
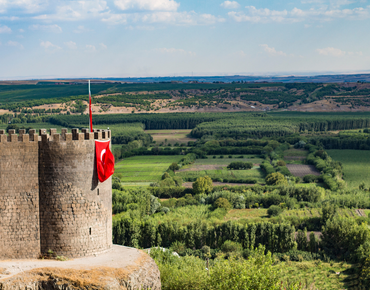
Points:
(104, 160)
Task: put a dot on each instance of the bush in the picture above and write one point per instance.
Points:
(168, 192)
(222, 203)
(203, 185)
(276, 179)
(230, 246)
(174, 166)
(240, 165)
(281, 163)
(309, 178)
(165, 176)
(165, 209)
(274, 210)
(189, 272)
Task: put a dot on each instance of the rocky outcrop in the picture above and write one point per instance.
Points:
(142, 274)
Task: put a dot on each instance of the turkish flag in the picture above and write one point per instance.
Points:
(104, 160)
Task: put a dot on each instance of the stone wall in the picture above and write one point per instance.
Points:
(75, 209)
(19, 196)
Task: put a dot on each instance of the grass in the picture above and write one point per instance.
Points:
(238, 214)
(226, 161)
(355, 164)
(144, 168)
(172, 136)
(224, 173)
(316, 212)
(315, 274)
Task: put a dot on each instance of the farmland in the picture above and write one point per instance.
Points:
(113, 97)
(356, 165)
(144, 169)
(170, 136)
(301, 170)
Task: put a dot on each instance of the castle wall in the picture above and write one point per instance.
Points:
(75, 209)
(19, 196)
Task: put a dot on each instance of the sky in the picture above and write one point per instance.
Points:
(140, 38)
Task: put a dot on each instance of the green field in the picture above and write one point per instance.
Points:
(144, 168)
(226, 160)
(170, 136)
(356, 165)
(224, 173)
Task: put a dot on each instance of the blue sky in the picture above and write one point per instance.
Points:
(122, 38)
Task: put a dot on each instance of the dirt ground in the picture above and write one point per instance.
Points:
(302, 170)
(119, 257)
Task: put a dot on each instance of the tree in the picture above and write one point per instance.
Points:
(274, 210)
(223, 203)
(203, 185)
(276, 179)
(343, 237)
(165, 176)
(281, 163)
(174, 166)
(328, 212)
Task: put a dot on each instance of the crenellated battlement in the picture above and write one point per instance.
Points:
(75, 135)
(22, 137)
(52, 135)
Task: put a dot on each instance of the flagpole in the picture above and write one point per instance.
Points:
(90, 112)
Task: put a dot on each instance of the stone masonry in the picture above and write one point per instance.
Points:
(50, 197)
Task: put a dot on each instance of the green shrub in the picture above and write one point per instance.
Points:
(230, 246)
(203, 185)
(281, 163)
(222, 203)
(276, 179)
(174, 166)
(309, 178)
(274, 210)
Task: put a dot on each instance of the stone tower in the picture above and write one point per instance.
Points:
(51, 198)
(19, 196)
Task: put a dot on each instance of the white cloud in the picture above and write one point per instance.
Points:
(49, 47)
(90, 48)
(264, 15)
(330, 3)
(152, 5)
(81, 29)
(181, 18)
(77, 10)
(272, 51)
(15, 44)
(230, 5)
(70, 44)
(336, 52)
(21, 30)
(103, 46)
(175, 51)
(29, 6)
(331, 51)
(116, 19)
(5, 29)
(51, 28)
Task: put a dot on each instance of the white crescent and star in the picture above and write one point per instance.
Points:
(102, 154)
